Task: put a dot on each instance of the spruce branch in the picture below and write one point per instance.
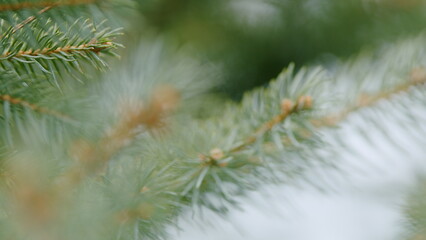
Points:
(417, 78)
(221, 164)
(288, 108)
(27, 21)
(30, 101)
(41, 204)
(34, 107)
(93, 46)
(53, 51)
(92, 158)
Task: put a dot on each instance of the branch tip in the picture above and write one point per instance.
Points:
(144, 189)
(216, 154)
(305, 102)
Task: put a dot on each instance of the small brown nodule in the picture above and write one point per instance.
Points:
(286, 105)
(216, 153)
(418, 75)
(144, 189)
(304, 102)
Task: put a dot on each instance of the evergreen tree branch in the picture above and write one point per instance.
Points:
(417, 78)
(52, 50)
(42, 204)
(206, 177)
(34, 107)
(94, 46)
(28, 20)
(288, 108)
(27, 100)
(93, 157)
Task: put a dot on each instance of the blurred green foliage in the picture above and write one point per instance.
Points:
(252, 40)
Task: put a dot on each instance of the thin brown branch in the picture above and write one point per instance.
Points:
(288, 108)
(87, 47)
(34, 107)
(92, 157)
(42, 4)
(30, 19)
(27, 21)
(31, 204)
(417, 78)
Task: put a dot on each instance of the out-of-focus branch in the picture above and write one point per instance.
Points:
(136, 118)
(34, 107)
(27, 21)
(417, 78)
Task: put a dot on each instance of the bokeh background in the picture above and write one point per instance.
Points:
(251, 41)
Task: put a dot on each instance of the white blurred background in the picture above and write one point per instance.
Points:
(364, 200)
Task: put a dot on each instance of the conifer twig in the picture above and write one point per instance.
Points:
(288, 108)
(87, 47)
(31, 18)
(417, 78)
(91, 157)
(34, 107)
(27, 21)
